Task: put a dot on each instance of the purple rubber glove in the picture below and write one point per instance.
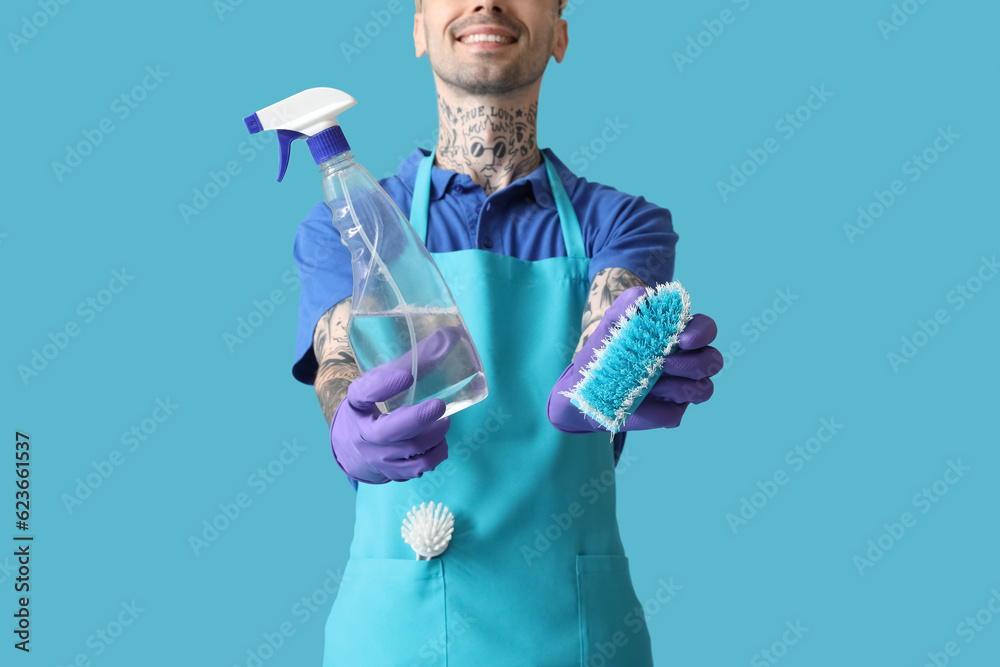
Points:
(377, 448)
(685, 377)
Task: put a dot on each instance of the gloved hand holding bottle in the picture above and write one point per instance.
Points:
(685, 377)
(377, 448)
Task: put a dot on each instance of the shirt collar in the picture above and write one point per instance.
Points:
(537, 180)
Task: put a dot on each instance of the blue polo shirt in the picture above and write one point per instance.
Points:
(520, 220)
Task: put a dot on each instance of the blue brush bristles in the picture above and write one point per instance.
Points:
(630, 361)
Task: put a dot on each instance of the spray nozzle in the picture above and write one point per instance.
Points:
(311, 114)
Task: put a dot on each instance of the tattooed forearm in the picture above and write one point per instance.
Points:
(337, 365)
(494, 145)
(607, 286)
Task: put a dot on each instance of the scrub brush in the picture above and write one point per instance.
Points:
(630, 361)
(428, 530)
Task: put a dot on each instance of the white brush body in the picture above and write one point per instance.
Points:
(428, 529)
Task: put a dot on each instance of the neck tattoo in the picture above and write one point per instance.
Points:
(495, 145)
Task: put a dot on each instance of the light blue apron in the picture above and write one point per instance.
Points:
(535, 574)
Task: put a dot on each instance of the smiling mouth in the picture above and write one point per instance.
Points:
(486, 38)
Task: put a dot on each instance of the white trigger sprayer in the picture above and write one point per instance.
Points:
(312, 114)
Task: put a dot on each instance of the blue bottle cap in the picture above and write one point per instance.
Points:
(327, 144)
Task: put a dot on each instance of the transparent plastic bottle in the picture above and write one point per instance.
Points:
(402, 311)
(400, 297)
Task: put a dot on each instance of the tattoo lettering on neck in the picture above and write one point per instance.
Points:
(494, 145)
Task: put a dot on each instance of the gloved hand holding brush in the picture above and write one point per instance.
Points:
(684, 379)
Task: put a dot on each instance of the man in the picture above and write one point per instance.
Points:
(535, 573)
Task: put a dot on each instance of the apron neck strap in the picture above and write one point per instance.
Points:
(572, 236)
(422, 197)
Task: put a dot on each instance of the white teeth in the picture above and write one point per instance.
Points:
(484, 37)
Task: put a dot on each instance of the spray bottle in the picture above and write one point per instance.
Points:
(403, 313)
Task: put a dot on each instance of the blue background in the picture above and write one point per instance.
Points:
(853, 300)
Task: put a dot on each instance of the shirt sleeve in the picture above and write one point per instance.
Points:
(326, 278)
(632, 234)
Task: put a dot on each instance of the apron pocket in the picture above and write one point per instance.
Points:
(388, 611)
(612, 625)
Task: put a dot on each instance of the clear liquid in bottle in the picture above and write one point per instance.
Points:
(448, 367)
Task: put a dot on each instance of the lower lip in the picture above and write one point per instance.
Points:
(485, 46)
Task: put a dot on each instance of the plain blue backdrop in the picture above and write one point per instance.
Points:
(141, 106)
